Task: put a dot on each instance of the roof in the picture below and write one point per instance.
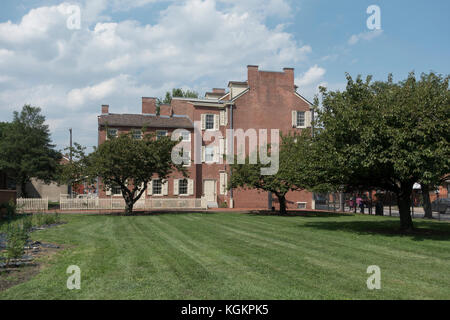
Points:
(243, 83)
(144, 120)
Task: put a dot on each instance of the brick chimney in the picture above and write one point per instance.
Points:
(289, 72)
(148, 105)
(252, 75)
(165, 110)
(105, 108)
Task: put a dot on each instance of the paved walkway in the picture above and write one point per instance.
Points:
(418, 213)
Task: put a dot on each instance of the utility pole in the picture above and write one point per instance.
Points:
(70, 159)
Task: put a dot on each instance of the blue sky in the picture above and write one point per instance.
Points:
(127, 49)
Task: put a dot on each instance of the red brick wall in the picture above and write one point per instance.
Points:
(268, 105)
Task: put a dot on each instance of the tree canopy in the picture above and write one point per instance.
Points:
(176, 92)
(292, 172)
(131, 163)
(26, 150)
(385, 135)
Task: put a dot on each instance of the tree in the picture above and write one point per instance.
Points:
(385, 135)
(75, 170)
(131, 163)
(292, 172)
(176, 92)
(25, 149)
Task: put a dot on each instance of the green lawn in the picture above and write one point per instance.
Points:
(240, 256)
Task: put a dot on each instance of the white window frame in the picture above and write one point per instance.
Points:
(301, 202)
(188, 157)
(304, 119)
(135, 133)
(166, 133)
(114, 135)
(213, 121)
(116, 194)
(213, 148)
(188, 136)
(187, 187)
(161, 188)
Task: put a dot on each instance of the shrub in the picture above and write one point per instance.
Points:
(8, 209)
(223, 205)
(16, 239)
(27, 222)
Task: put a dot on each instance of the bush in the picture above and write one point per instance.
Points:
(27, 222)
(223, 205)
(16, 239)
(8, 210)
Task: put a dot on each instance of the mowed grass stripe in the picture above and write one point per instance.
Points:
(238, 256)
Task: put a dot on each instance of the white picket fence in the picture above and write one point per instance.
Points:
(113, 204)
(32, 204)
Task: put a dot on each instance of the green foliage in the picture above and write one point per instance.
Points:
(130, 163)
(25, 148)
(8, 210)
(75, 170)
(384, 135)
(27, 222)
(292, 173)
(16, 239)
(176, 92)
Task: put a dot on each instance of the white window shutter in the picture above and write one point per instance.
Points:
(108, 191)
(226, 117)
(216, 154)
(225, 182)
(308, 119)
(221, 183)
(222, 146)
(203, 153)
(165, 188)
(294, 119)
(216, 122)
(203, 117)
(150, 188)
(222, 117)
(175, 186)
(190, 187)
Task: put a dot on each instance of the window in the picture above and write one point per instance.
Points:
(186, 135)
(137, 134)
(183, 186)
(112, 133)
(209, 154)
(301, 205)
(186, 158)
(209, 121)
(116, 191)
(300, 119)
(161, 133)
(157, 186)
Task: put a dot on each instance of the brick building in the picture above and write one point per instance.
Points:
(266, 100)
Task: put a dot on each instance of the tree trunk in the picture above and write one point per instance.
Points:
(426, 201)
(282, 201)
(129, 206)
(404, 201)
(23, 190)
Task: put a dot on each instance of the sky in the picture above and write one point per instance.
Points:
(115, 52)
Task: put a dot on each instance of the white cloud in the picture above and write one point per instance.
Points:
(308, 83)
(193, 44)
(367, 36)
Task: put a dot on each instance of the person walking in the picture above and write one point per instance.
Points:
(360, 203)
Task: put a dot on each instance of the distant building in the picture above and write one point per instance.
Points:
(266, 100)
